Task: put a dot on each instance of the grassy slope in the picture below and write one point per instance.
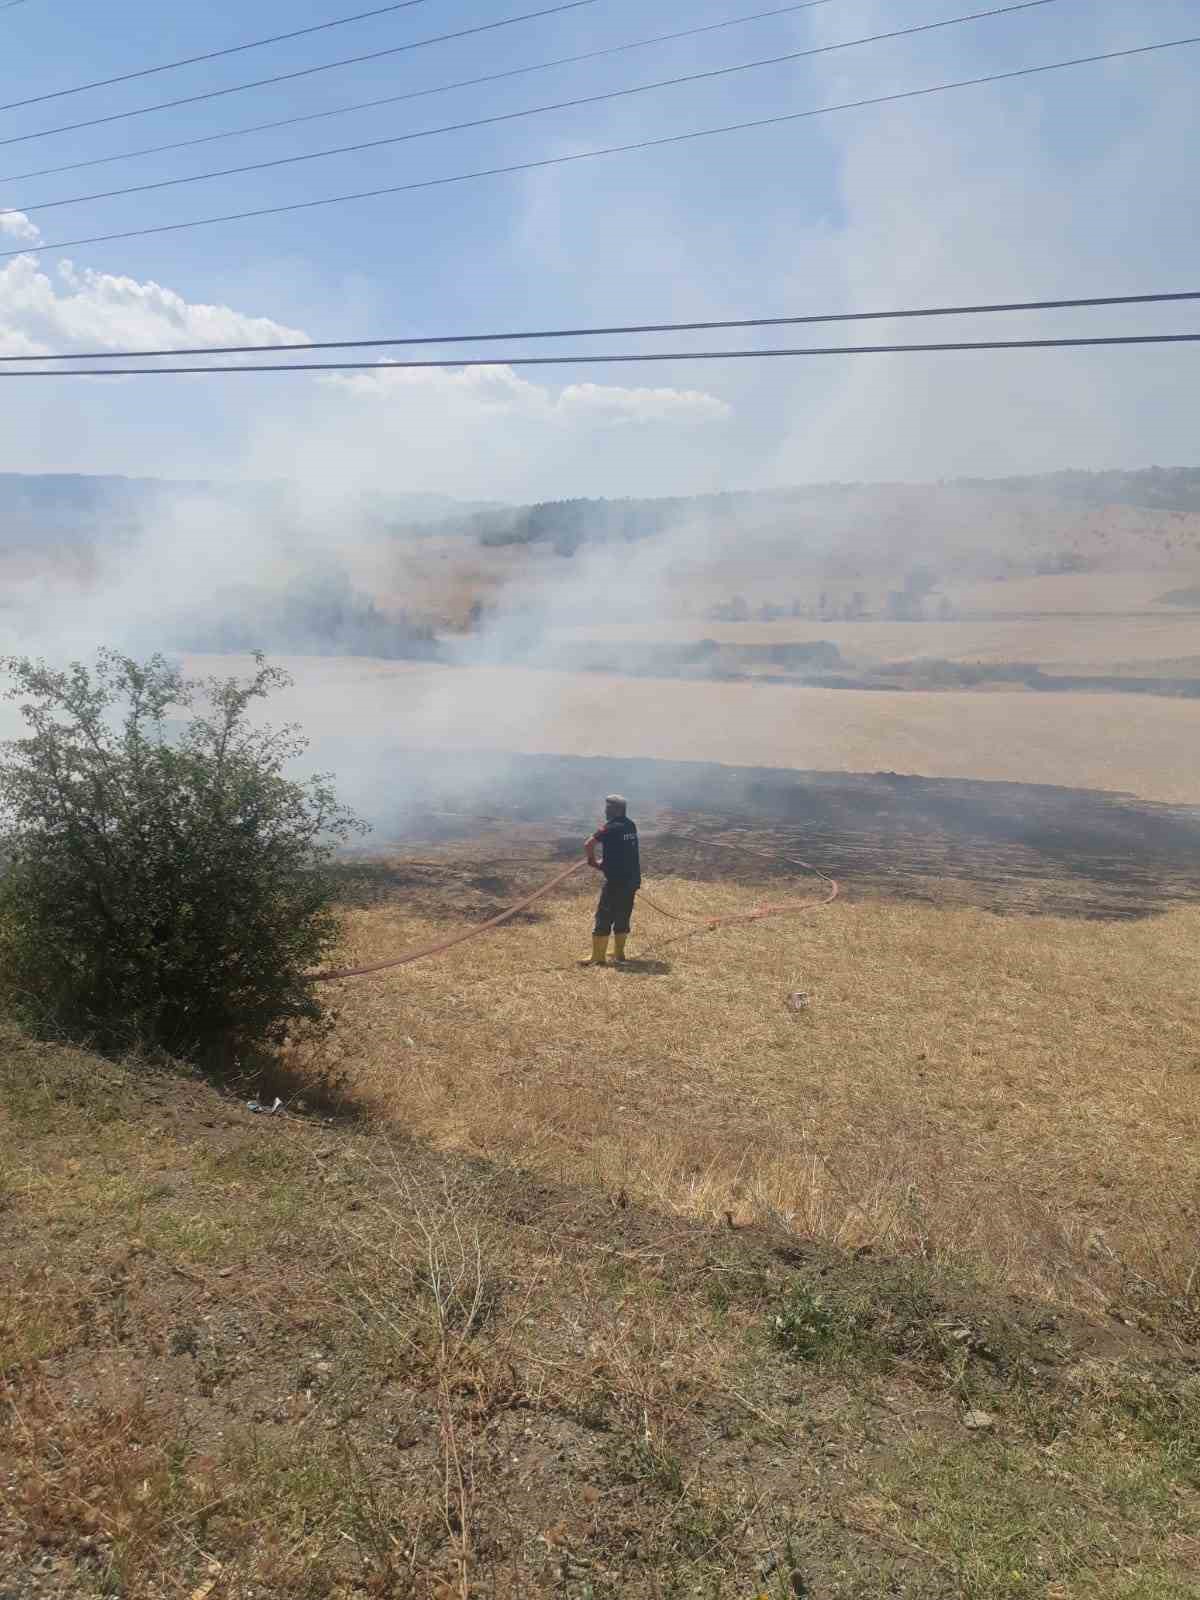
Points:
(250, 1357)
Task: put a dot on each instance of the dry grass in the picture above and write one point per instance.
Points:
(864, 542)
(1100, 741)
(443, 577)
(1023, 1094)
(1101, 593)
(1097, 645)
(277, 1360)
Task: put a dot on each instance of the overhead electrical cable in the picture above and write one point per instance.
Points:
(626, 328)
(210, 55)
(27, 207)
(414, 94)
(595, 357)
(306, 72)
(606, 150)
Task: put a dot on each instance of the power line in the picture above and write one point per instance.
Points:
(305, 72)
(415, 94)
(607, 150)
(594, 358)
(211, 55)
(526, 111)
(643, 327)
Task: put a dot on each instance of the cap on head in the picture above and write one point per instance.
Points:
(615, 804)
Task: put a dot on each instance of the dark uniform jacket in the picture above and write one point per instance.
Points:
(620, 863)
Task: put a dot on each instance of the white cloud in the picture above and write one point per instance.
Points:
(476, 431)
(80, 308)
(606, 404)
(1069, 183)
(16, 225)
(485, 432)
(499, 390)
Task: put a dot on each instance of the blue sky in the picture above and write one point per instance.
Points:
(1075, 182)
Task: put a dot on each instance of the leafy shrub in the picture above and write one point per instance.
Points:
(806, 1326)
(162, 881)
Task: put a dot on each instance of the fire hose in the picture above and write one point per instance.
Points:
(777, 908)
(696, 925)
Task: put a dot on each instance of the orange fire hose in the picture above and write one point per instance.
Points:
(697, 925)
(778, 908)
(456, 938)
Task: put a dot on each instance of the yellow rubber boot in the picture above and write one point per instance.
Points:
(619, 945)
(599, 950)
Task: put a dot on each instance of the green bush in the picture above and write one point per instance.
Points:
(163, 882)
(806, 1326)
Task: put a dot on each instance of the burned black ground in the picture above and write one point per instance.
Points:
(1005, 846)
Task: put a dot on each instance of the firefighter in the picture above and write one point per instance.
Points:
(618, 842)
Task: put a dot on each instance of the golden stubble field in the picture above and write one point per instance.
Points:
(1021, 1094)
(1098, 644)
(1144, 745)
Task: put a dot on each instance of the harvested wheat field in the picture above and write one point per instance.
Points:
(1095, 643)
(1093, 741)
(1015, 1094)
(1066, 594)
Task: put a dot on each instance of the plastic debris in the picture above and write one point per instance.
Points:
(267, 1111)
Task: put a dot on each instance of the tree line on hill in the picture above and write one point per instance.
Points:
(569, 524)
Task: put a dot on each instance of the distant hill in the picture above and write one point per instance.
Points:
(1057, 523)
(71, 508)
(1154, 488)
(567, 524)
(1061, 522)
(79, 508)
